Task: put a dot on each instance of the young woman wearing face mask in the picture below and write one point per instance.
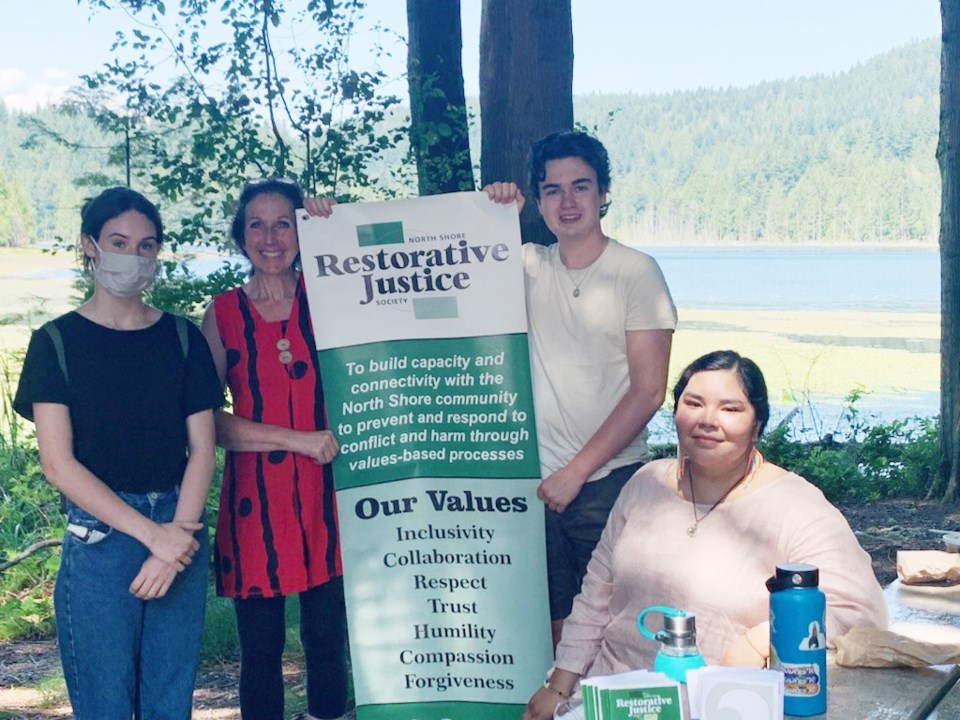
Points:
(123, 395)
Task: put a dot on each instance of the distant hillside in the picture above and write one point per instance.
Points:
(845, 158)
(43, 182)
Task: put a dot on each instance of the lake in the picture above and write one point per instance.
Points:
(802, 278)
(766, 277)
(848, 312)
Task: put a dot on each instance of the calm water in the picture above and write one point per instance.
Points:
(772, 277)
(810, 278)
(802, 278)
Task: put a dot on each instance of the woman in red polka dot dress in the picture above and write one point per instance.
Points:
(277, 525)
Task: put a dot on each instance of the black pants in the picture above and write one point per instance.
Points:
(323, 631)
(573, 534)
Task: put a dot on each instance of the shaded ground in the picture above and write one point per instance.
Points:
(891, 525)
(26, 666)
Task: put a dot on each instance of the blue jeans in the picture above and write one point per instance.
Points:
(123, 656)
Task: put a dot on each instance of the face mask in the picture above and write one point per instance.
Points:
(123, 275)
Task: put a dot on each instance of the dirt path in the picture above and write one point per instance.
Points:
(27, 667)
(31, 687)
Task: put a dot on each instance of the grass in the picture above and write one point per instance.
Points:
(806, 356)
(818, 352)
(219, 643)
(53, 688)
(29, 512)
(27, 296)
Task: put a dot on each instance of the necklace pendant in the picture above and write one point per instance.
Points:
(576, 292)
(692, 530)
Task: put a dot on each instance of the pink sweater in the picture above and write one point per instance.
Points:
(646, 558)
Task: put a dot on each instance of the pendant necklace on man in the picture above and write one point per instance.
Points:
(583, 276)
(697, 519)
(584, 273)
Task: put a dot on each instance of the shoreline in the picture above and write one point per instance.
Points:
(822, 355)
(912, 245)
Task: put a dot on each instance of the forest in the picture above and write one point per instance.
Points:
(846, 158)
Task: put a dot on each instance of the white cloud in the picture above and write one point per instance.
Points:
(27, 91)
(11, 78)
(57, 75)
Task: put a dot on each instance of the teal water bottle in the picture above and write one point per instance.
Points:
(678, 642)
(798, 637)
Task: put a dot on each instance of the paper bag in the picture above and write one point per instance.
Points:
(928, 566)
(872, 647)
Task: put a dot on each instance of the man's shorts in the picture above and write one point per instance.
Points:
(573, 534)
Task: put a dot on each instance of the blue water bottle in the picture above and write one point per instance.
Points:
(798, 639)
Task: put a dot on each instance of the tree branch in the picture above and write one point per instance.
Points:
(17, 559)
(270, 71)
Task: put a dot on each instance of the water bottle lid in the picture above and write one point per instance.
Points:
(685, 624)
(794, 575)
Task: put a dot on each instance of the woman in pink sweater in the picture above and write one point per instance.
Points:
(703, 533)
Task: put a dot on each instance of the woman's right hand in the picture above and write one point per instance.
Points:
(542, 705)
(321, 446)
(319, 207)
(154, 579)
(544, 702)
(174, 543)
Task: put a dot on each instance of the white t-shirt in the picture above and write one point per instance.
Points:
(578, 350)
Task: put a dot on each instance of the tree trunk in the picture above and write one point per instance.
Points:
(948, 156)
(526, 90)
(439, 133)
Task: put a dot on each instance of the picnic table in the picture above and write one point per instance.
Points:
(922, 612)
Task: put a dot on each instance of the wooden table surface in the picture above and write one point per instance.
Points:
(921, 612)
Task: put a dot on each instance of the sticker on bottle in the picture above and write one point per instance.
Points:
(800, 679)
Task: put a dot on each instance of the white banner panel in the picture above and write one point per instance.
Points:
(419, 314)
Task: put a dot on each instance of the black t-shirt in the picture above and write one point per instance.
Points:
(129, 395)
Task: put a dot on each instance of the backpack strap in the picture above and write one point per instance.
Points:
(57, 339)
(183, 334)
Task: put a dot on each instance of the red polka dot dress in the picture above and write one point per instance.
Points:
(277, 523)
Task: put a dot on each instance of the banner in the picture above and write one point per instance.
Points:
(419, 314)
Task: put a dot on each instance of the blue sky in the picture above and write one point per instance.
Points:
(619, 45)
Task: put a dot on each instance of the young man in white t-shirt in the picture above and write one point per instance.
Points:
(601, 321)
